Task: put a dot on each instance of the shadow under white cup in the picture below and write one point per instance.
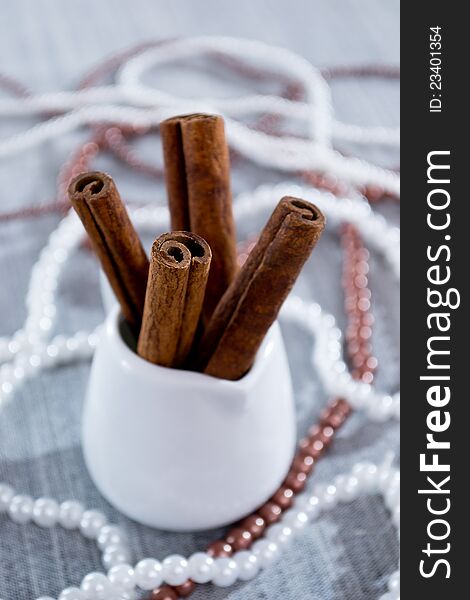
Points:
(180, 450)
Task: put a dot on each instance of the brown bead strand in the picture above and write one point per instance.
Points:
(116, 141)
(382, 71)
(79, 163)
(185, 589)
(319, 436)
(372, 193)
(219, 548)
(357, 305)
(165, 592)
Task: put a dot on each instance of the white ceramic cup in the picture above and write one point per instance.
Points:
(180, 450)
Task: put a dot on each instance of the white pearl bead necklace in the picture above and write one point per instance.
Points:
(130, 101)
(70, 515)
(364, 479)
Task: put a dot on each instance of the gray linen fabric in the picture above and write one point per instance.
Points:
(48, 44)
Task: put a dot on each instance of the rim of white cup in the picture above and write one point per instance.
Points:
(134, 363)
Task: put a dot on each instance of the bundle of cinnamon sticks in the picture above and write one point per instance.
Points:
(189, 306)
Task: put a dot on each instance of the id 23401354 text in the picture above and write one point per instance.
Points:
(435, 65)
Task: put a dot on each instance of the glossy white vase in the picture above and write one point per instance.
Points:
(180, 450)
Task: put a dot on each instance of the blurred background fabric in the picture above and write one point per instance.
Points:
(49, 45)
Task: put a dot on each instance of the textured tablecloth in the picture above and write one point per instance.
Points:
(48, 45)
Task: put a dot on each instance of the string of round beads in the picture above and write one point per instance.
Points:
(314, 106)
(88, 107)
(70, 515)
(114, 138)
(122, 579)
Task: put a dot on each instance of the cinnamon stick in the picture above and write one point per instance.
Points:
(197, 171)
(179, 268)
(253, 300)
(97, 202)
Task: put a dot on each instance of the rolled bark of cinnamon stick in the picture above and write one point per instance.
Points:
(197, 171)
(179, 269)
(253, 300)
(97, 202)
